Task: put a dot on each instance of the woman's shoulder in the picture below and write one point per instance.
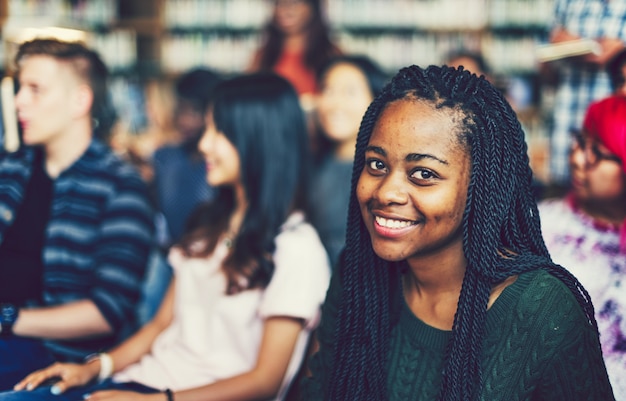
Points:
(559, 217)
(535, 298)
(545, 341)
(297, 229)
(550, 304)
(554, 208)
(540, 314)
(298, 240)
(301, 272)
(543, 286)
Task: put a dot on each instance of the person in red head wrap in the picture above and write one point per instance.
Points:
(586, 230)
(606, 121)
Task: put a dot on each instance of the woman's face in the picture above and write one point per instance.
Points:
(221, 157)
(292, 16)
(596, 174)
(343, 99)
(413, 188)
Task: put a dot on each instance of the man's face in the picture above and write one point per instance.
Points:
(46, 98)
(189, 120)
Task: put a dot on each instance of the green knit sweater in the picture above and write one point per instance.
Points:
(538, 346)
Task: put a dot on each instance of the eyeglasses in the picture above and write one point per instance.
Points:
(592, 154)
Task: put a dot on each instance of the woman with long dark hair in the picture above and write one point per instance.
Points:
(249, 274)
(446, 290)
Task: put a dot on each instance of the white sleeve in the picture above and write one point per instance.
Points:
(301, 275)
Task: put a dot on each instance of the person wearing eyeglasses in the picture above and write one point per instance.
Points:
(586, 230)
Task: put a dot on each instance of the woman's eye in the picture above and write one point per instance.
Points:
(422, 174)
(376, 165)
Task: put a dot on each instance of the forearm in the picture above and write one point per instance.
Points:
(280, 335)
(248, 386)
(73, 320)
(136, 346)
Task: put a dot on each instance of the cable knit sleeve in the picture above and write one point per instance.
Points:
(547, 349)
(573, 367)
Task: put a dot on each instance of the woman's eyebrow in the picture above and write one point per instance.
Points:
(414, 157)
(411, 157)
(376, 149)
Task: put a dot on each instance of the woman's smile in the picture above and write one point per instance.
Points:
(392, 228)
(413, 185)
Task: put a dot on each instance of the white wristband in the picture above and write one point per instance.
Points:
(106, 366)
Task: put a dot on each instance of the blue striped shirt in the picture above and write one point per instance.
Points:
(98, 238)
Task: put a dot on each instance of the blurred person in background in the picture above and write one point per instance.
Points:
(586, 230)
(250, 272)
(297, 43)
(582, 79)
(347, 85)
(617, 73)
(472, 61)
(179, 182)
(139, 144)
(475, 63)
(76, 226)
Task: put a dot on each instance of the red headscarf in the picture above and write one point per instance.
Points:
(606, 120)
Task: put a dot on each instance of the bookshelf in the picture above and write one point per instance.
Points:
(158, 39)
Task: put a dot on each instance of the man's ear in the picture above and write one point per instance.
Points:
(83, 100)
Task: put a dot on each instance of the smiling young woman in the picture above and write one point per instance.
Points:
(445, 290)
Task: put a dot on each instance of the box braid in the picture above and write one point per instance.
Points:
(501, 238)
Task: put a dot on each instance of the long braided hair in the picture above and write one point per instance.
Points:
(501, 238)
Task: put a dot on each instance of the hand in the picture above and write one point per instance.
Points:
(609, 48)
(561, 35)
(70, 375)
(118, 395)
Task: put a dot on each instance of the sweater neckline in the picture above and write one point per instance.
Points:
(437, 339)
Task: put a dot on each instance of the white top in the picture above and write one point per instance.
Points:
(213, 335)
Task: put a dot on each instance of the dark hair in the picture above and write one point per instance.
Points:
(196, 86)
(319, 46)
(88, 65)
(261, 116)
(501, 237)
(376, 77)
(614, 69)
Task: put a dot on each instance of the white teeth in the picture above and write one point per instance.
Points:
(389, 223)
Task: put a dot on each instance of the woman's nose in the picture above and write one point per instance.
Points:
(578, 159)
(392, 189)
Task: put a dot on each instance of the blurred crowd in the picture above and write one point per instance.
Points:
(192, 260)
